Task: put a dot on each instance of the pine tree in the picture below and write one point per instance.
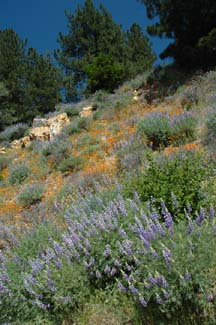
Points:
(140, 55)
(187, 23)
(92, 33)
(32, 81)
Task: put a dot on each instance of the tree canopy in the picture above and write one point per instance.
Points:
(92, 33)
(187, 23)
(30, 81)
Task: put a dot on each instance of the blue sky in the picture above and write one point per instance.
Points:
(40, 21)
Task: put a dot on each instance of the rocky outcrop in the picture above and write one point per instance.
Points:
(43, 130)
(41, 133)
(21, 143)
(2, 151)
(56, 123)
(87, 111)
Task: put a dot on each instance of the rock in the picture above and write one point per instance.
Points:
(2, 151)
(56, 123)
(37, 122)
(42, 133)
(21, 143)
(87, 111)
(47, 129)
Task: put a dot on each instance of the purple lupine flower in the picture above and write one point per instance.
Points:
(98, 274)
(136, 261)
(210, 298)
(161, 281)
(121, 287)
(122, 232)
(200, 218)
(136, 197)
(40, 304)
(107, 252)
(187, 276)
(174, 201)
(36, 266)
(134, 206)
(129, 267)
(159, 300)
(125, 276)
(147, 285)
(167, 254)
(113, 271)
(168, 220)
(152, 280)
(211, 213)
(107, 269)
(166, 294)
(143, 301)
(134, 290)
(127, 247)
(117, 263)
(189, 227)
(58, 265)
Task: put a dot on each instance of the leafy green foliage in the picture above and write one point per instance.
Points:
(180, 21)
(56, 151)
(31, 82)
(211, 127)
(4, 162)
(14, 132)
(182, 173)
(71, 164)
(93, 35)
(104, 74)
(161, 130)
(18, 174)
(30, 195)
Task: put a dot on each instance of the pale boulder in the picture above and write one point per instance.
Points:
(86, 111)
(56, 123)
(42, 133)
(21, 143)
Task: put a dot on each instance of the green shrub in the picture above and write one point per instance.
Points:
(104, 73)
(211, 128)
(4, 162)
(77, 125)
(30, 195)
(18, 174)
(161, 130)
(182, 173)
(71, 111)
(156, 128)
(14, 132)
(56, 151)
(184, 127)
(71, 164)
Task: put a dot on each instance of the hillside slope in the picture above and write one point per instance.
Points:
(127, 153)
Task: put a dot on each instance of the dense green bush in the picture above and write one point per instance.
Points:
(156, 128)
(77, 125)
(71, 164)
(184, 127)
(56, 151)
(112, 246)
(18, 174)
(71, 111)
(104, 73)
(14, 132)
(160, 130)
(182, 173)
(30, 195)
(4, 162)
(210, 136)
